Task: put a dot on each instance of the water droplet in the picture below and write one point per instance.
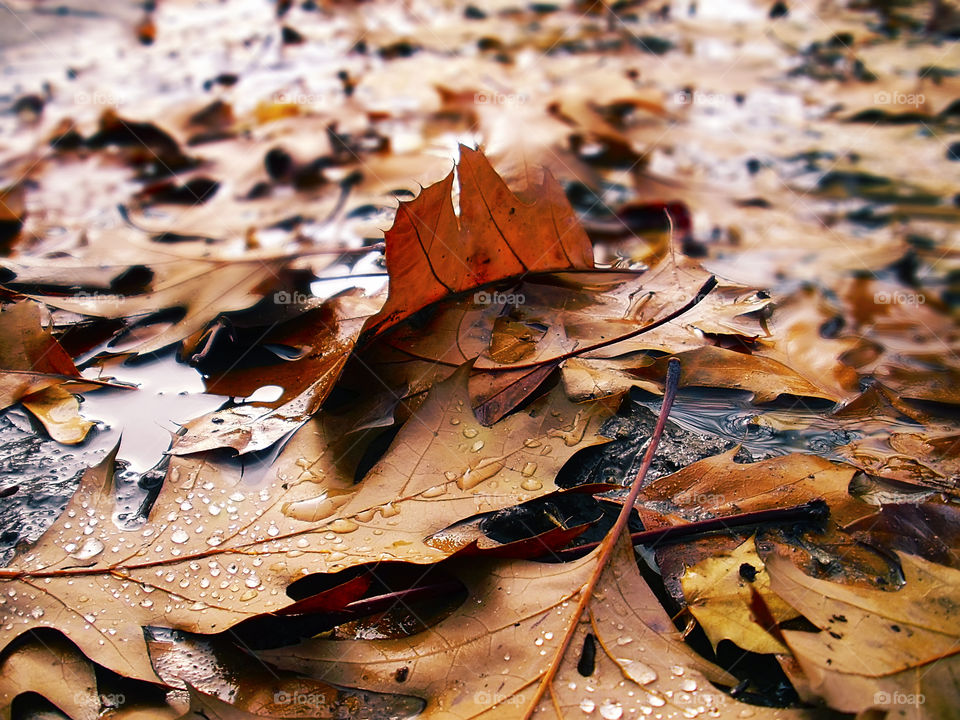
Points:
(624, 640)
(435, 491)
(252, 582)
(532, 443)
(90, 549)
(146, 602)
(529, 469)
(179, 537)
(688, 685)
(273, 530)
(470, 432)
(656, 700)
(36, 613)
(587, 705)
(342, 525)
(538, 641)
(214, 509)
(677, 670)
(531, 484)
(483, 470)
(248, 596)
(367, 515)
(454, 421)
(639, 672)
(315, 508)
(611, 711)
(477, 446)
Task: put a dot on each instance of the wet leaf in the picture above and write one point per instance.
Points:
(51, 666)
(306, 382)
(874, 645)
(216, 550)
(59, 411)
(31, 359)
(720, 592)
(486, 659)
(432, 253)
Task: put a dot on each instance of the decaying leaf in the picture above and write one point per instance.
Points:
(59, 411)
(432, 253)
(216, 549)
(486, 659)
(721, 592)
(306, 382)
(49, 665)
(31, 359)
(877, 649)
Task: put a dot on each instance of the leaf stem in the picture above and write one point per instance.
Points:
(609, 542)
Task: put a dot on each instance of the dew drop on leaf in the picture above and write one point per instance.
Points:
(531, 484)
(639, 672)
(180, 536)
(611, 711)
(90, 549)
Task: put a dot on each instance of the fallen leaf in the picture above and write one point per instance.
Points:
(716, 367)
(209, 522)
(59, 411)
(720, 593)
(432, 253)
(325, 343)
(485, 659)
(51, 666)
(31, 359)
(870, 637)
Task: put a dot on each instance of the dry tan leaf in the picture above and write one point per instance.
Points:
(711, 366)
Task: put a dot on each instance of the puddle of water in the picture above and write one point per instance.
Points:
(762, 431)
(168, 395)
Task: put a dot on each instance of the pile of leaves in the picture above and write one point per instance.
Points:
(428, 500)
